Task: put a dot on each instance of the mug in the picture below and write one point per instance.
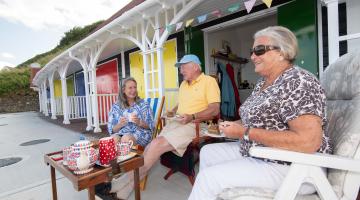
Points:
(131, 116)
(107, 150)
(66, 153)
(124, 148)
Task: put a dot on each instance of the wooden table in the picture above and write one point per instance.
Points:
(96, 176)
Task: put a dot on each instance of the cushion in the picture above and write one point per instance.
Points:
(253, 193)
(342, 88)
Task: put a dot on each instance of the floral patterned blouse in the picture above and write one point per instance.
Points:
(296, 92)
(144, 113)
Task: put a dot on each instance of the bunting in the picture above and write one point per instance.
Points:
(161, 30)
(234, 8)
(267, 2)
(170, 28)
(217, 13)
(179, 25)
(189, 22)
(249, 5)
(202, 18)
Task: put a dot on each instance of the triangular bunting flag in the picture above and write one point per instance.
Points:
(161, 30)
(217, 13)
(267, 2)
(170, 27)
(202, 18)
(234, 7)
(249, 5)
(178, 25)
(188, 22)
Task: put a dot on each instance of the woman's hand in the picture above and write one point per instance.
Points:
(122, 122)
(232, 129)
(135, 120)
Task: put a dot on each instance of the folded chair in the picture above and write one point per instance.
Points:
(341, 81)
(157, 106)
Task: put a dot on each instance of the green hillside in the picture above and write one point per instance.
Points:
(18, 79)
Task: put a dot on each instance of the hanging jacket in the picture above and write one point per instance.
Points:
(230, 71)
(227, 105)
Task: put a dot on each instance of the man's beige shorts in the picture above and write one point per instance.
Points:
(179, 135)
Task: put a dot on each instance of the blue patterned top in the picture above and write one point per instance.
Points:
(144, 113)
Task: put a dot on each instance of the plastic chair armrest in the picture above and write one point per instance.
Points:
(315, 159)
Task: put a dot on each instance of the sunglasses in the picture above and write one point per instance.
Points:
(262, 49)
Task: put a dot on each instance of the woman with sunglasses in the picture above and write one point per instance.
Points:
(286, 110)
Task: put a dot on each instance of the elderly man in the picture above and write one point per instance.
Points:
(199, 97)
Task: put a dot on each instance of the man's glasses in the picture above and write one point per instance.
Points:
(262, 49)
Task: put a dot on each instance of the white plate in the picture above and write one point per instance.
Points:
(98, 163)
(123, 158)
(214, 135)
(119, 159)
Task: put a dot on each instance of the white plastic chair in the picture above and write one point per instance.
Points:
(341, 82)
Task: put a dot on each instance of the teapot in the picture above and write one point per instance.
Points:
(82, 157)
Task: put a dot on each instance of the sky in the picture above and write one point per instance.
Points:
(31, 27)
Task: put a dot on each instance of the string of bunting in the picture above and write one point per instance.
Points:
(249, 4)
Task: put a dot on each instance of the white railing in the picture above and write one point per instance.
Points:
(77, 104)
(77, 107)
(58, 105)
(105, 101)
(171, 98)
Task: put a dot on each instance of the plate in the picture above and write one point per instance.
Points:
(123, 158)
(175, 118)
(206, 132)
(98, 163)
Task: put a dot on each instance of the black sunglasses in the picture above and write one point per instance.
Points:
(262, 49)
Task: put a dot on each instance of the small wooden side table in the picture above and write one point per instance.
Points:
(96, 176)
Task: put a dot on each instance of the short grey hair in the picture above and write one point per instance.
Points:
(123, 102)
(198, 66)
(283, 38)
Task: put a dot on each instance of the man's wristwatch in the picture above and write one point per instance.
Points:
(193, 116)
(246, 134)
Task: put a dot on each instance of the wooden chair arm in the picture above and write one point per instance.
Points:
(197, 140)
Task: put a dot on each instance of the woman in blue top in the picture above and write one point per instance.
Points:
(130, 118)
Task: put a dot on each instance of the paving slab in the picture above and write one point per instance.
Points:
(29, 179)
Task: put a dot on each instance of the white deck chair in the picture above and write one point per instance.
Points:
(341, 82)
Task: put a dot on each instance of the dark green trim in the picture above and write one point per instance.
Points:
(301, 18)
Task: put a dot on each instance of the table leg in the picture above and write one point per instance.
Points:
(53, 183)
(91, 193)
(137, 184)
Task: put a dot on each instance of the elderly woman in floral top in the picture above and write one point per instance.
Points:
(130, 118)
(285, 110)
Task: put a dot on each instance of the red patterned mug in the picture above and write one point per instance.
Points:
(124, 148)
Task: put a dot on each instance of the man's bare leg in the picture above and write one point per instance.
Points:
(152, 153)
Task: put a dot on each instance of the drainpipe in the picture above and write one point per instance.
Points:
(93, 88)
(88, 100)
(52, 96)
(64, 100)
(40, 102)
(333, 29)
(45, 110)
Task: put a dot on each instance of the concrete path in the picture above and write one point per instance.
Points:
(29, 179)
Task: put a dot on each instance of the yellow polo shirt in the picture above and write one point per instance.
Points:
(196, 97)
